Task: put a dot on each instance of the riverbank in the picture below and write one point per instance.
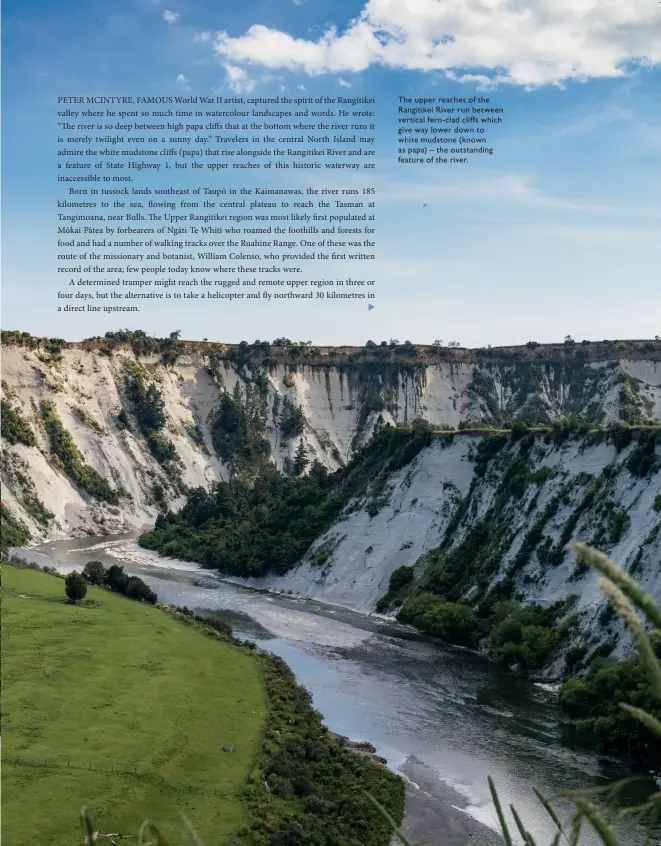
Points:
(460, 715)
(435, 813)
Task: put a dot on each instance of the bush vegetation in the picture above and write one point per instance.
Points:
(149, 410)
(252, 527)
(400, 579)
(64, 448)
(14, 532)
(94, 573)
(513, 635)
(142, 344)
(238, 430)
(15, 428)
(594, 703)
(315, 785)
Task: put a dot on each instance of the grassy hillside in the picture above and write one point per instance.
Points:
(116, 683)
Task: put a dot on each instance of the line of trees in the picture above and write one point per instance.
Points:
(114, 578)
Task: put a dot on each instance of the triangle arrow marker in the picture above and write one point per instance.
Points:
(370, 307)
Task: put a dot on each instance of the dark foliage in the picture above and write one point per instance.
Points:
(400, 580)
(148, 404)
(644, 459)
(238, 430)
(67, 453)
(292, 419)
(170, 348)
(250, 528)
(593, 701)
(75, 587)
(15, 428)
(450, 621)
(130, 586)
(149, 409)
(94, 573)
(14, 531)
(316, 785)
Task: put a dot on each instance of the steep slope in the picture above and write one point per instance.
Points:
(232, 408)
(476, 517)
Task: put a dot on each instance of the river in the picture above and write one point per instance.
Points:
(443, 716)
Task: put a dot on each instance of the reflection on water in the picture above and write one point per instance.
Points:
(461, 715)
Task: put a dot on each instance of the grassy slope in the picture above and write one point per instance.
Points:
(119, 684)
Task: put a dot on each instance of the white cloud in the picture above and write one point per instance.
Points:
(171, 17)
(182, 82)
(494, 41)
(344, 83)
(238, 80)
(301, 88)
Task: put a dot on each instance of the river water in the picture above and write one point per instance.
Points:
(419, 702)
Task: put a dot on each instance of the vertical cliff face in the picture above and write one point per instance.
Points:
(470, 514)
(152, 420)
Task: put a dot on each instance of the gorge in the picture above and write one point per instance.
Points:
(432, 481)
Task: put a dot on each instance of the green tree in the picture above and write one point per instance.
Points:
(115, 578)
(301, 460)
(94, 572)
(75, 587)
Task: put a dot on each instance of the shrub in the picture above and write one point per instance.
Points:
(316, 785)
(161, 447)
(421, 427)
(75, 587)
(136, 589)
(130, 586)
(123, 420)
(15, 428)
(14, 531)
(399, 578)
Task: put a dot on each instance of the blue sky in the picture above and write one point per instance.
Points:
(557, 233)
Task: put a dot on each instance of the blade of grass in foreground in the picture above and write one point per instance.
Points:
(499, 811)
(608, 569)
(387, 817)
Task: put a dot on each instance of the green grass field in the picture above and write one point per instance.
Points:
(120, 684)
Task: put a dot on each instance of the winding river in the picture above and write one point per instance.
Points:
(443, 713)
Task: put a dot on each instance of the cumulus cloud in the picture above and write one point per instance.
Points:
(171, 17)
(238, 80)
(344, 83)
(494, 41)
(183, 81)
